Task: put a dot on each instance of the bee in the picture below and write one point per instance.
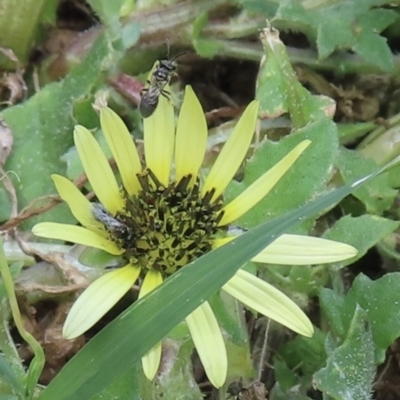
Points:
(159, 79)
(112, 224)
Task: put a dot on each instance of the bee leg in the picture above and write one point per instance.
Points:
(145, 89)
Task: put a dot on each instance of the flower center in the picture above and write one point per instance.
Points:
(166, 227)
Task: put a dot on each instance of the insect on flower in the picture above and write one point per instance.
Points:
(159, 79)
(111, 224)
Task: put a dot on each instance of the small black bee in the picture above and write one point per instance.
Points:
(160, 78)
(112, 225)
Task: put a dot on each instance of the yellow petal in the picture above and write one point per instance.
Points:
(152, 280)
(159, 131)
(233, 152)
(79, 205)
(99, 297)
(304, 250)
(151, 360)
(75, 234)
(98, 170)
(207, 338)
(269, 301)
(122, 148)
(260, 188)
(191, 137)
(221, 241)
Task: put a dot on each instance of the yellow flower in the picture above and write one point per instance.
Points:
(165, 216)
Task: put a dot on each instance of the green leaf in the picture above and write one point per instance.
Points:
(204, 47)
(345, 24)
(304, 355)
(177, 378)
(284, 376)
(20, 23)
(278, 89)
(278, 394)
(334, 33)
(147, 321)
(361, 232)
(108, 11)
(369, 44)
(377, 195)
(8, 397)
(380, 300)
(306, 179)
(374, 48)
(8, 376)
(350, 369)
(42, 129)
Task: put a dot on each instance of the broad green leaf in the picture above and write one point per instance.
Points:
(304, 356)
(125, 340)
(334, 33)
(20, 27)
(377, 195)
(379, 298)
(332, 306)
(278, 89)
(278, 394)
(8, 377)
(374, 48)
(42, 129)
(350, 369)
(260, 7)
(177, 377)
(8, 397)
(369, 44)
(306, 179)
(362, 232)
(284, 376)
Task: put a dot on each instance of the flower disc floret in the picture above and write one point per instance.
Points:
(164, 228)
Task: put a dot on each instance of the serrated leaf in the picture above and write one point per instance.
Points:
(350, 369)
(377, 196)
(345, 24)
(333, 33)
(374, 49)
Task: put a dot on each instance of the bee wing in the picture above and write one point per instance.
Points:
(148, 102)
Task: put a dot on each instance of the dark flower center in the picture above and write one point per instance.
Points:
(166, 227)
